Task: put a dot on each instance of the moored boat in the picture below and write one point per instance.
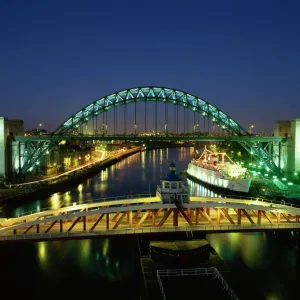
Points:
(217, 169)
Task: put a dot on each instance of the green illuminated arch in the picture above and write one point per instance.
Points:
(156, 94)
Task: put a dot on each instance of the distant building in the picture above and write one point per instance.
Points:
(8, 128)
(36, 132)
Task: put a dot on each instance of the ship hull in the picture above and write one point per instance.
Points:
(213, 178)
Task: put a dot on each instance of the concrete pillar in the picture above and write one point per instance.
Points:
(3, 141)
(290, 150)
(280, 155)
(295, 146)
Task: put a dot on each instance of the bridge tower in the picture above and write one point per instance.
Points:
(3, 141)
(172, 188)
(9, 151)
(287, 156)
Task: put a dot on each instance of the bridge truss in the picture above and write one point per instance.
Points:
(211, 115)
(149, 216)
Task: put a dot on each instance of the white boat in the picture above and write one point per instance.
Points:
(172, 188)
(219, 170)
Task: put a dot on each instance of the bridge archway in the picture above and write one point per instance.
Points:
(146, 94)
(154, 94)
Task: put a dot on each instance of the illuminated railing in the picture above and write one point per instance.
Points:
(106, 199)
(194, 272)
(228, 200)
(188, 230)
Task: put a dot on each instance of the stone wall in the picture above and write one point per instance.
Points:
(290, 149)
(3, 142)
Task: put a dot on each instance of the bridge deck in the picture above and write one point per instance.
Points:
(149, 215)
(233, 138)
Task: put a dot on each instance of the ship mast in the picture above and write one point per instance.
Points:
(206, 153)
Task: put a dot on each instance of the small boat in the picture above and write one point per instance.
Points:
(219, 170)
(172, 188)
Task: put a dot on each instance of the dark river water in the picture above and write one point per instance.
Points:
(261, 266)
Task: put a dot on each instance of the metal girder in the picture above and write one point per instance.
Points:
(145, 94)
(150, 93)
(258, 153)
(142, 138)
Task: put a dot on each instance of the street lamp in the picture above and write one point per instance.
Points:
(250, 128)
(196, 126)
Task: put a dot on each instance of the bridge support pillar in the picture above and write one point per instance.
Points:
(84, 222)
(218, 216)
(175, 217)
(259, 217)
(107, 221)
(61, 225)
(188, 212)
(37, 228)
(208, 211)
(239, 216)
(153, 217)
(130, 218)
(197, 216)
(278, 217)
(297, 219)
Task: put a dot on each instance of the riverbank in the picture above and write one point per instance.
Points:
(45, 189)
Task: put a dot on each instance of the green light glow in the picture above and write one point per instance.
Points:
(148, 94)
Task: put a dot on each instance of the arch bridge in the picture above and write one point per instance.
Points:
(142, 214)
(190, 118)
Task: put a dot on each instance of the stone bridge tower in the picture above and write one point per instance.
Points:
(287, 156)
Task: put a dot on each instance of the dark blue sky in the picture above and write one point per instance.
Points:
(242, 56)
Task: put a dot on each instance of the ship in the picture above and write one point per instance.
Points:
(219, 170)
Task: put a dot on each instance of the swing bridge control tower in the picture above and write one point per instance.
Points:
(172, 189)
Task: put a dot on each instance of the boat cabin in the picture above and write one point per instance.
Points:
(172, 188)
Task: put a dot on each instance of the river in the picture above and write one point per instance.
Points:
(262, 266)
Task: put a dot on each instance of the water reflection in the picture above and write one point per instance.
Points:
(265, 266)
(101, 256)
(133, 174)
(42, 254)
(197, 189)
(269, 262)
(55, 202)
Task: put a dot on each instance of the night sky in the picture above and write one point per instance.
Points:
(58, 56)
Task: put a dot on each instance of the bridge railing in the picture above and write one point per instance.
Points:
(254, 199)
(99, 200)
(226, 199)
(194, 272)
(188, 230)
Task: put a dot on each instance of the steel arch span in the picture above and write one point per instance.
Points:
(156, 94)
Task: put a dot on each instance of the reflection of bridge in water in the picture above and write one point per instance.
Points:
(140, 214)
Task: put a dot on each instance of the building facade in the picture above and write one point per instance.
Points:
(8, 150)
(287, 156)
